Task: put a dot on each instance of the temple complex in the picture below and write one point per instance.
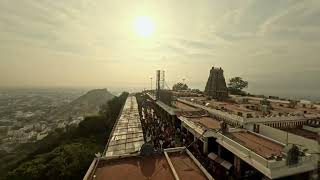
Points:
(196, 135)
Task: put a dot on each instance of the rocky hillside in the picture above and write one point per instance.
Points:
(87, 104)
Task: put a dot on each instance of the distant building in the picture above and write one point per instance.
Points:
(216, 85)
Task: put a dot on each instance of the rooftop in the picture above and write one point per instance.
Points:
(302, 132)
(127, 135)
(184, 107)
(185, 167)
(262, 146)
(157, 166)
(249, 105)
(207, 122)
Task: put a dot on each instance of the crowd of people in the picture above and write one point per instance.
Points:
(160, 133)
(165, 134)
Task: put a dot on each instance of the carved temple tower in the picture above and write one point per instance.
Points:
(216, 85)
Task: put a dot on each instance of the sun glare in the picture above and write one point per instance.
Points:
(144, 26)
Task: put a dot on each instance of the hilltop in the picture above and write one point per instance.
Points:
(87, 104)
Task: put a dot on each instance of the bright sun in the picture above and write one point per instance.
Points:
(144, 26)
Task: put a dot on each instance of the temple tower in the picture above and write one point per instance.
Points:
(216, 85)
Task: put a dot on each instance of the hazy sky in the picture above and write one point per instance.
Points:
(274, 44)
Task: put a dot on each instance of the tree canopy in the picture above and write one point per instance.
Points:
(236, 85)
(180, 86)
(69, 161)
(67, 155)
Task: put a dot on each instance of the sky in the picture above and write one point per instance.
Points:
(273, 44)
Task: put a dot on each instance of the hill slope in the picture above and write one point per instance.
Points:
(68, 154)
(87, 104)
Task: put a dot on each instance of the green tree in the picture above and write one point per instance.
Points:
(180, 86)
(69, 161)
(236, 85)
(68, 154)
